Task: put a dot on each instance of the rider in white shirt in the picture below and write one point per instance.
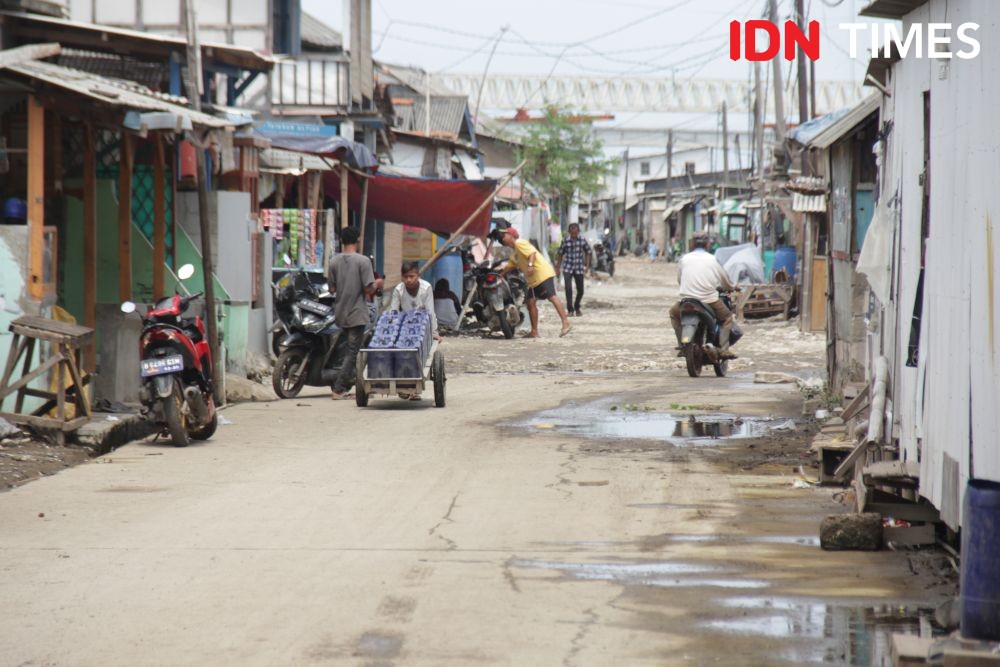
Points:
(413, 293)
(701, 277)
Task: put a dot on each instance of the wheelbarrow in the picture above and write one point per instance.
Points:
(373, 378)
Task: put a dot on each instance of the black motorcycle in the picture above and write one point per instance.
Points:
(498, 300)
(313, 348)
(700, 336)
(604, 259)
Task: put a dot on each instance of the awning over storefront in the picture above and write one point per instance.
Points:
(317, 140)
(438, 205)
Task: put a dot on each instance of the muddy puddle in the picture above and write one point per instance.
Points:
(610, 420)
(791, 630)
(823, 632)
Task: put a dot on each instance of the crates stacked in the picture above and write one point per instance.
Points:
(414, 333)
(383, 343)
(400, 345)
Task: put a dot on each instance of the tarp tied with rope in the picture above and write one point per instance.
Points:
(438, 205)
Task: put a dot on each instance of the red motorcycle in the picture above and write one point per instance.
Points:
(176, 368)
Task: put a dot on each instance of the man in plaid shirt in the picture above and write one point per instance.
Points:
(574, 261)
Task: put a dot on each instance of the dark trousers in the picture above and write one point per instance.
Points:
(346, 376)
(570, 278)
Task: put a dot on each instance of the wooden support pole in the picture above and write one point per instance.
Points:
(343, 197)
(159, 219)
(125, 218)
(279, 194)
(468, 221)
(89, 242)
(364, 211)
(36, 197)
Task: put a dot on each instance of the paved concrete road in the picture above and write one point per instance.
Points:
(313, 532)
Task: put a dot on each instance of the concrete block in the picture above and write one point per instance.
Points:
(861, 532)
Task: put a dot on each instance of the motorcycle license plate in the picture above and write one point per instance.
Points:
(314, 307)
(161, 365)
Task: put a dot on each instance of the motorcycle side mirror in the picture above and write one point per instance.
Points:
(185, 272)
(128, 307)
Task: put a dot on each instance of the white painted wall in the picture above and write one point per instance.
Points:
(948, 405)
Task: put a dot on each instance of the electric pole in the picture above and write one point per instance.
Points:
(779, 90)
(725, 150)
(670, 169)
(194, 87)
(800, 19)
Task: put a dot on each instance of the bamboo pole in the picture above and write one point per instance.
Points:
(343, 197)
(444, 246)
(89, 242)
(364, 212)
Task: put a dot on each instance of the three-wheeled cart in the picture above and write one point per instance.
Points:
(433, 372)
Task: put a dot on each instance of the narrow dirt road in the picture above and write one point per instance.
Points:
(570, 506)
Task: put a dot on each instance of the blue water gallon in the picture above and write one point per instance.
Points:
(980, 571)
(450, 268)
(784, 258)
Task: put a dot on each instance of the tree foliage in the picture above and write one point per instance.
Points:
(563, 157)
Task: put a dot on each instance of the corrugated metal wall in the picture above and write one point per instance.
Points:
(946, 407)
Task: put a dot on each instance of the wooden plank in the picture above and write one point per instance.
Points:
(857, 404)
(910, 650)
(852, 458)
(89, 241)
(125, 218)
(25, 379)
(29, 352)
(909, 535)
(36, 198)
(905, 511)
(61, 387)
(159, 219)
(44, 422)
(82, 404)
(17, 346)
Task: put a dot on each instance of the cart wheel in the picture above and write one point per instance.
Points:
(437, 375)
(360, 395)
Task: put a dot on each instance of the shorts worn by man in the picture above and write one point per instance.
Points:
(701, 276)
(539, 274)
(351, 277)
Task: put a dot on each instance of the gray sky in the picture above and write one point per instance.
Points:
(592, 37)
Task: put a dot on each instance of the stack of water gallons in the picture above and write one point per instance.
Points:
(396, 337)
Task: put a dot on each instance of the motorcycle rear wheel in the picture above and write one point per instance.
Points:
(173, 415)
(282, 380)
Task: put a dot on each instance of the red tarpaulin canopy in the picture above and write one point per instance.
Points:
(438, 205)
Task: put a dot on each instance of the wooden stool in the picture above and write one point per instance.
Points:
(66, 341)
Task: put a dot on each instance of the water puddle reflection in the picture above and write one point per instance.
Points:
(823, 632)
(604, 419)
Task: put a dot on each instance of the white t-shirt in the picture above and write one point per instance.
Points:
(402, 300)
(700, 275)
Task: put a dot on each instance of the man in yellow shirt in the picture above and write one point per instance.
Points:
(540, 275)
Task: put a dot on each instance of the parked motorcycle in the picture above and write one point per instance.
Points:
(604, 259)
(176, 367)
(314, 348)
(700, 336)
(498, 300)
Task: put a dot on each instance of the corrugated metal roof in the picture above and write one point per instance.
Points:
(413, 78)
(121, 40)
(847, 123)
(113, 92)
(802, 203)
(891, 9)
(318, 35)
(447, 115)
(277, 160)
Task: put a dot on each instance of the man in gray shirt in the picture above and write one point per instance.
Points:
(354, 282)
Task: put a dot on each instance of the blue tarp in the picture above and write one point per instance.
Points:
(318, 141)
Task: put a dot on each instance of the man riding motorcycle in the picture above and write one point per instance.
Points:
(701, 277)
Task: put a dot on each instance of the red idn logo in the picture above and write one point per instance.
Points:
(793, 37)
